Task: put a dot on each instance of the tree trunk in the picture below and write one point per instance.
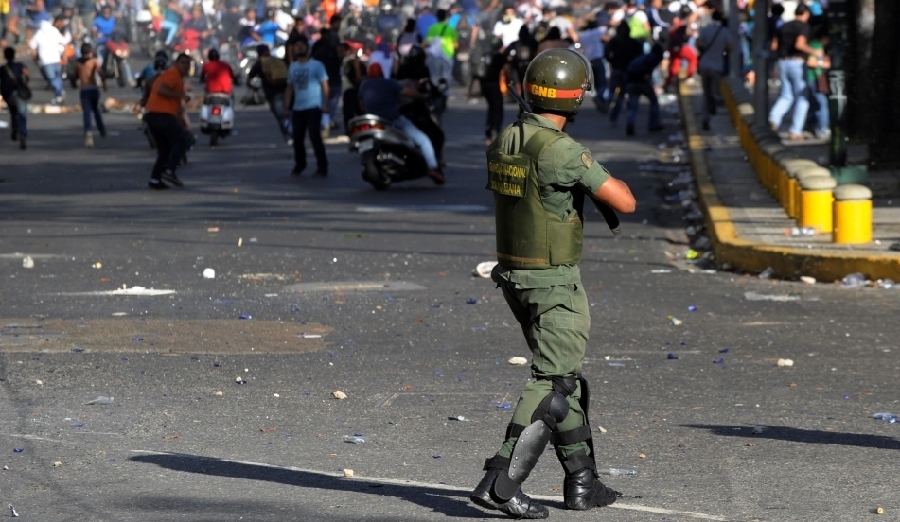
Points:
(862, 109)
(884, 151)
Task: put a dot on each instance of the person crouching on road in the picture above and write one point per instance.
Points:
(305, 101)
(540, 176)
(164, 120)
(381, 96)
(88, 69)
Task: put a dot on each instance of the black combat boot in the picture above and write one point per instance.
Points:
(583, 491)
(519, 506)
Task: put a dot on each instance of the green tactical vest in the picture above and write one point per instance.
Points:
(529, 237)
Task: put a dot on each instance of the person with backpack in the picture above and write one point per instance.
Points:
(715, 43)
(639, 82)
(273, 73)
(14, 89)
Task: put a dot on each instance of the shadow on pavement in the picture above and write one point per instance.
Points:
(789, 434)
(448, 502)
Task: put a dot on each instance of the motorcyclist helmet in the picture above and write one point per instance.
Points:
(557, 81)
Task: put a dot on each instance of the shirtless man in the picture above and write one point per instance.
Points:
(88, 69)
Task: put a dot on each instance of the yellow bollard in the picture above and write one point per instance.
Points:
(852, 214)
(796, 190)
(816, 209)
(781, 185)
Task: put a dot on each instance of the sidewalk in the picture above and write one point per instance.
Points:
(750, 231)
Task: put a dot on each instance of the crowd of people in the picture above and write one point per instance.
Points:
(635, 48)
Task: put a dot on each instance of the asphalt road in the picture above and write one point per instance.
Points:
(372, 293)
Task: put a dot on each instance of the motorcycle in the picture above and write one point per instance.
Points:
(216, 117)
(386, 154)
(115, 65)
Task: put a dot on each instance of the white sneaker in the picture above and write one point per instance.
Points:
(89, 140)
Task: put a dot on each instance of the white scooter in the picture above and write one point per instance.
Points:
(217, 116)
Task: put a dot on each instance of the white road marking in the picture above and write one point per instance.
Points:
(444, 487)
(352, 285)
(465, 209)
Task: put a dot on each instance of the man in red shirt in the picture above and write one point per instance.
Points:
(217, 75)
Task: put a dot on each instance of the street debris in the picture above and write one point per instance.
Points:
(756, 296)
(768, 273)
(100, 400)
(615, 472)
(97, 266)
(878, 511)
(268, 429)
(213, 230)
(854, 280)
(757, 430)
(459, 418)
(692, 308)
(785, 362)
(800, 231)
(808, 280)
(517, 361)
(18, 450)
(674, 320)
(355, 439)
(27, 262)
(276, 395)
(12, 511)
(311, 336)
(39, 382)
(245, 317)
(339, 395)
(484, 269)
(218, 394)
(601, 429)
(890, 417)
(57, 464)
(348, 473)
(471, 300)
(209, 273)
(240, 380)
(671, 356)
(885, 283)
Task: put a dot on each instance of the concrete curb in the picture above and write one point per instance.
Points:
(750, 256)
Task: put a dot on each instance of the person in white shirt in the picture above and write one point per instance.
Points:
(507, 29)
(531, 12)
(47, 46)
(593, 48)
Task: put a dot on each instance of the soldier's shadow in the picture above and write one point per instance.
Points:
(450, 502)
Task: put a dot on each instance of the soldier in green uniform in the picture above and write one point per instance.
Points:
(540, 176)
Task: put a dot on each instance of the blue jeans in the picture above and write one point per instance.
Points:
(276, 105)
(420, 138)
(90, 100)
(598, 67)
(819, 106)
(793, 92)
(18, 109)
(635, 91)
(616, 81)
(53, 72)
(335, 91)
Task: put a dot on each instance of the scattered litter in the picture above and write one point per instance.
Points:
(253, 240)
(218, 394)
(27, 262)
(785, 362)
(240, 241)
(348, 473)
(617, 471)
(723, 350)
(5, 468)
(57, 464)
(601, 429)
(642, 456)
(276, 395)
(504, 405)
(470, 300)
(517, 361)
(209, 273)
(268, 429)
(854, 280)
(119, 314)
(890, 417)
(245, 317)
(885, 283)
(97, 266)
(692, 308)
(459, 418)
(39, 382)
(674, 320)
(311, 336)
(12, 511)
(339, 395)
(767, 273)
(661, 271)
(878, 511)
(757, 430)
(484, 269)
(435, 457)
(213, 230)
(240, 380)
(800, 231)
(671, 356)
(355, 439)
(617, 364)
(77, 349)
(100, 400)
(18, 450)
(756, 296)
(808, 280)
